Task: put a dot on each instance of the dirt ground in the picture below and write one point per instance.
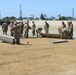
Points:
(39, 57)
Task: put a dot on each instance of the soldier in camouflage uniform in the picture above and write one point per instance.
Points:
(70, 29)
(63, 31)
(5, 28)
(46, 27)
(21, 28)
(16, 32)
(39, 31)
(33, 28)
(11, 25)
(26, 29)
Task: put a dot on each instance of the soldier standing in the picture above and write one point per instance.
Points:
(71, 32)
(70, 29)
(33, 28)
(5, 28)
(16, 32)
(11, 25)
(46, 27)
(21, 28)
(26, 29)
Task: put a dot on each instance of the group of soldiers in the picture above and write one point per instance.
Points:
(66, 31)
(23, 28)
(39, 30)
(18, 29)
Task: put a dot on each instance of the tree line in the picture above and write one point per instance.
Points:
(42, 17)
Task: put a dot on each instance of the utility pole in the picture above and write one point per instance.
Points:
(73, 14)
(0, 14)
(20, 11)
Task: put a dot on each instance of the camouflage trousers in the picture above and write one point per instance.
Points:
(38, 33)
(46, 30)
(17, 37)
(21, 32)
(64, 33)
(26, 33)
(71, 34)
(33, 32)
(4, 32)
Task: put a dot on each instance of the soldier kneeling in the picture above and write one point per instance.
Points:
(39, 31)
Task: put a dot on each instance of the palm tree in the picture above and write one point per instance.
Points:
(32, 16)
(59, 15)
(45, 16)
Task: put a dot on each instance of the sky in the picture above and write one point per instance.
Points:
(36, 7)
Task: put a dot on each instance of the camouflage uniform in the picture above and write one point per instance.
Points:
(4, 28)
(26, 30)
(63, 31)
(11, 25)
(70, 29)
(33, 28)
(21, 28)
(39, 31)
(16, 33)
(46, 27)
